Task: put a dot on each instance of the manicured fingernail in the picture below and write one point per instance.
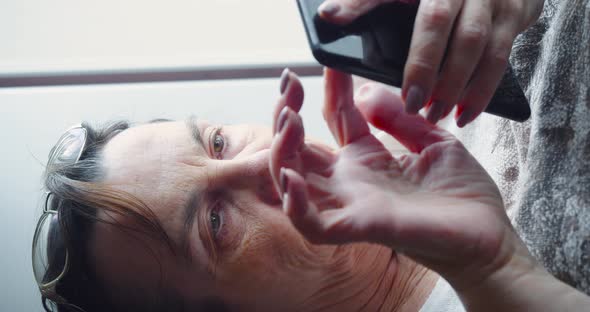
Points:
(328, 9)
(284, 80)
(464, 118)
(281, 121)
(435, 112)
(285, 202)
(414, 100)
(284, 181)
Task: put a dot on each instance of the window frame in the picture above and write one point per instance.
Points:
(171, 74)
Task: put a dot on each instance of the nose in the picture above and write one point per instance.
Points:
(239, 172)
(248, 173)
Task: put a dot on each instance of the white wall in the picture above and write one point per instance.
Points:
(32, 119)
(58, 35)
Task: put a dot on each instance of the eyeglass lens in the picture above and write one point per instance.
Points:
(49, 253)
(49, 250)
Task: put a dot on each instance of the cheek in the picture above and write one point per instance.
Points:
(269, 240)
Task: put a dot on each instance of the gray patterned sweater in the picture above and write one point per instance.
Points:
(542, 166)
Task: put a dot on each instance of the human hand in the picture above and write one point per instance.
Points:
(437, 205)
(478, 36)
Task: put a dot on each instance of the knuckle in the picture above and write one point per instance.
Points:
(438, 13)
(516, 13)
(446, 96)
(355, 6)
(362, 6)
(421, 66)
(515, 7)
(474, 34)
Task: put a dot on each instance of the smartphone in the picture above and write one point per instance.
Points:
(376, 45)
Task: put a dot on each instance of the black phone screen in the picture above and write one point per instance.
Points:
(367, 47)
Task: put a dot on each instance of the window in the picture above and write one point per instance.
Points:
(73, 35)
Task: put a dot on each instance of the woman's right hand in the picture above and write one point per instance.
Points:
(437, 205)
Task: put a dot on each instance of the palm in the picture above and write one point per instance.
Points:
(431, 204)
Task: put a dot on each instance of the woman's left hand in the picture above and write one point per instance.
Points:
(475, 35)
(437, 205)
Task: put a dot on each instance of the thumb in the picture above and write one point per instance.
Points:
(385, 110)
(343, 12)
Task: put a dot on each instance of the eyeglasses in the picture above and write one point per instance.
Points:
(50, 254)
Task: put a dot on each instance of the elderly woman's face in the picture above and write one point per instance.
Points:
(209, 186)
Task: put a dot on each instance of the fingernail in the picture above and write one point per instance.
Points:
(435, 112)
(285, 202)
(464, 118)
(284, 181)
(284, 80)
(328, 9)
(281, 121)
(414, 100)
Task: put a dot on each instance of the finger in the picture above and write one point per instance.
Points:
(331, 226)
(384, 109)
(489, 72)
(346, 123)
(406, 160)
(319, 188)
(317, 158)
(291, 95)
(533, 10)
(469, 39)
(434, 22)
(286, 144)
(320, 227)
(296, 205)
(345, 11)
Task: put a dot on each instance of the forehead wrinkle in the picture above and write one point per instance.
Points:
(182, 185)
(158, 172)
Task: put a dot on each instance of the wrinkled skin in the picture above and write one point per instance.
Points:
(238, 248)
(477, 36)
(437, 205)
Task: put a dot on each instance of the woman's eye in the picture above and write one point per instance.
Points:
(215, 220)
(217, 144)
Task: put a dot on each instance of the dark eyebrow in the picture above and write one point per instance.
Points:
(194, 201)
(191, 124)
(189, 213)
